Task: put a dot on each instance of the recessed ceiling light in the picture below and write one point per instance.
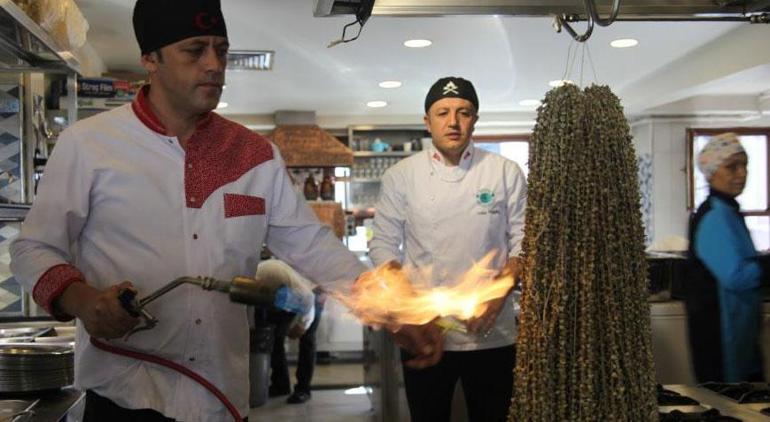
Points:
(529, 103)
(624, 43)
(376, 104)
(222, 104)
(560, 82)
(417, 43)
(390, 84)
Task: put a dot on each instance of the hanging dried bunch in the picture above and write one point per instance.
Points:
(583, 350)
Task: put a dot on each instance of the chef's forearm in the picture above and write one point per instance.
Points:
(72, 300)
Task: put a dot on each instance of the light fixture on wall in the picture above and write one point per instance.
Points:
(222, 105)
(377, 104)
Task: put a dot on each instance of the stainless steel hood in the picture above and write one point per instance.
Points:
(629, 9)
(25, 46)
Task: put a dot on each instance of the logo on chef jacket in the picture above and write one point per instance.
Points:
(451, 88)
(485, 198)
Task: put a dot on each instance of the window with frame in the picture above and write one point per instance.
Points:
(755, 199)
(512, 147)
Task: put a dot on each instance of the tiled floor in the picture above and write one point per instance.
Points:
(337, 375)
(324, 406)
(329, 402)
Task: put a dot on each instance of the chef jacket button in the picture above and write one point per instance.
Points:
(195, 236)
(192, 199)
(198, 321)
(170, 141)
(189, 166)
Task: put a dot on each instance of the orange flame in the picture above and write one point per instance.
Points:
(390, 295)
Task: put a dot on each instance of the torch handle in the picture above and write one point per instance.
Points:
(127, 298)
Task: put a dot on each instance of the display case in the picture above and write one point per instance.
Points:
(375, 149)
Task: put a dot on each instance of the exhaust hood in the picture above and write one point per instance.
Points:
(304, 144)
(25, 46)
(629, 9)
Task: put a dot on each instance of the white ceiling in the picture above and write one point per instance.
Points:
(508, 58)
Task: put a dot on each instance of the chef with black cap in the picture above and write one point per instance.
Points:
(446, 208)
(152, 191)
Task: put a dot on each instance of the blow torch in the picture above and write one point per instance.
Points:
(263, 292)
(250, 291)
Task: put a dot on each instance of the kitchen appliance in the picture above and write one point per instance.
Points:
(30, 367)
(265, 292)
(714, 402)
(665, 270)
(249, 291)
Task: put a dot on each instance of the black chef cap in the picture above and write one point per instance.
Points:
(451, 86)
(158, 23)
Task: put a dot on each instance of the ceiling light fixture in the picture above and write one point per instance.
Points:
(377, 104)
(222, 105)
(624, 43)
(417, 43)
(529, 103)
(390, 84)
(559, 82)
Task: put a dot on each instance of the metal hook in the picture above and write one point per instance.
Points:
(562, 20)
(592, 16)
(595, 15)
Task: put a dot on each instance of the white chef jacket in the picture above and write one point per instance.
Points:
(120, 200)
(430, 215)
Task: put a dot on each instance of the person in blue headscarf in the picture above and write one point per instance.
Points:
(724, 295)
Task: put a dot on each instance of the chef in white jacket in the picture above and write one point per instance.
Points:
(445, 208)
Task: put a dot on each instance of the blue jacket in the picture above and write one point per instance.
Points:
(721, 242)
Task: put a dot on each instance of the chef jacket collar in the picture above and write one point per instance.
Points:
(450, 173)
(142, 109)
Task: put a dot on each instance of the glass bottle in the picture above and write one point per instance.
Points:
(311, 188)
(327, 186)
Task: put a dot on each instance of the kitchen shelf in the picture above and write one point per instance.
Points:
(29, 46)
(13, 212)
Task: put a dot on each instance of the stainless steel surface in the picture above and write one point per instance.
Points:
(51, 406)
(629, 9)
(13, 212)
(383, 377)
(24, 45)
(29, 367)
(727, 407)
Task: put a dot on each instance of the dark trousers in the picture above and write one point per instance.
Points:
(102, 409)
(487, 380)
(279, 377)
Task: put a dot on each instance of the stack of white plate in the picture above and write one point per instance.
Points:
(35, 367)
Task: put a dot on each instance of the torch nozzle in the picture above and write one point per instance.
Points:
(249, 291)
